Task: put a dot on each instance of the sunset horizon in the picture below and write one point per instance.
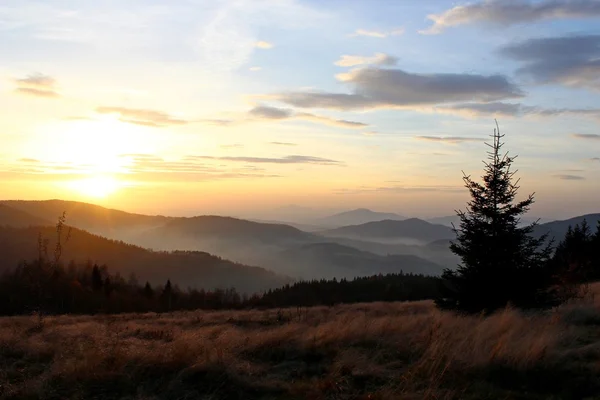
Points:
(190, 107)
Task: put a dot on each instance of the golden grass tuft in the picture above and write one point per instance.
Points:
(361, 351)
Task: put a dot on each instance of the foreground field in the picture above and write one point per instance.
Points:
(364, 351)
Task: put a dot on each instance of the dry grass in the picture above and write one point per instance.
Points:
(364, 351)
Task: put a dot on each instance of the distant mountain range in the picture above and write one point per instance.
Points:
(388, 245)
(355, 217)
(278, 247)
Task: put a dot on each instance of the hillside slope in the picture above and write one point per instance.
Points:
(16, 218)
(329, 260)
(90, 217)
(194, 269)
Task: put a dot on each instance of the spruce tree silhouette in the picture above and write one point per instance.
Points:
(501, 262)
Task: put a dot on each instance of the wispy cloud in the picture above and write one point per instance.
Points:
(377, 59)
(398, 189)
(76, 118)
(567, 60)
(503, 109)
(394, 88)
(377, 33)
(595, 159)
(588, 136)
(567, 177)
(231, 32)
(255, 69)
(292, 159)
(283, 144)
(231, 146)
(263, 45)
(151, 118)
(38, 85)
(448, 139)
(269, 113)
(501, 12)
(342, 123)
(481, 109)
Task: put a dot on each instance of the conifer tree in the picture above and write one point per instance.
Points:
(96, 279)
(501, 262)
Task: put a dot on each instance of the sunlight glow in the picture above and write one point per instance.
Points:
(96, 186)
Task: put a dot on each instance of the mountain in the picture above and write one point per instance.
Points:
(328, 260)
(235, 239)
(90, 217)
(355, 217)
(242, 241)
(217, 228)
(300, 226)
(413, 229)
(280, 248)
(16, 218)
(558, 229)
(188, 269)
(447, 220)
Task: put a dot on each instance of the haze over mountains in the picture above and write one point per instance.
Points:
(356, 217)
(389, 243)
(409, 230)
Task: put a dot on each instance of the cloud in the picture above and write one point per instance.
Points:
(269, 113)
(218, 122)
(29, 160)
(569, 177)
(230, 30)
(377, 34)
(588, 136)
(479, 109)
(342, 123)
(151, 118)
(398, 189)
(255, 69)
(76, 118)
(232, 146)
(153, 168)
(263, 45)
(448, 139)
(504, 109)
(265, 112)
(283, 144)
(377, 59)
(292, 159)
(570, 60)
(595, 159)
(38, 85)
(395, 88)
(505, 13)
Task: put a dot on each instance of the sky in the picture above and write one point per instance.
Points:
(246, 107)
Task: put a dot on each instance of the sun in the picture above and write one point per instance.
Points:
(96, 186)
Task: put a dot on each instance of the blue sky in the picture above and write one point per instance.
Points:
(187, 107)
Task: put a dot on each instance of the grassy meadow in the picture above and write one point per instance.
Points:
(397, 350)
